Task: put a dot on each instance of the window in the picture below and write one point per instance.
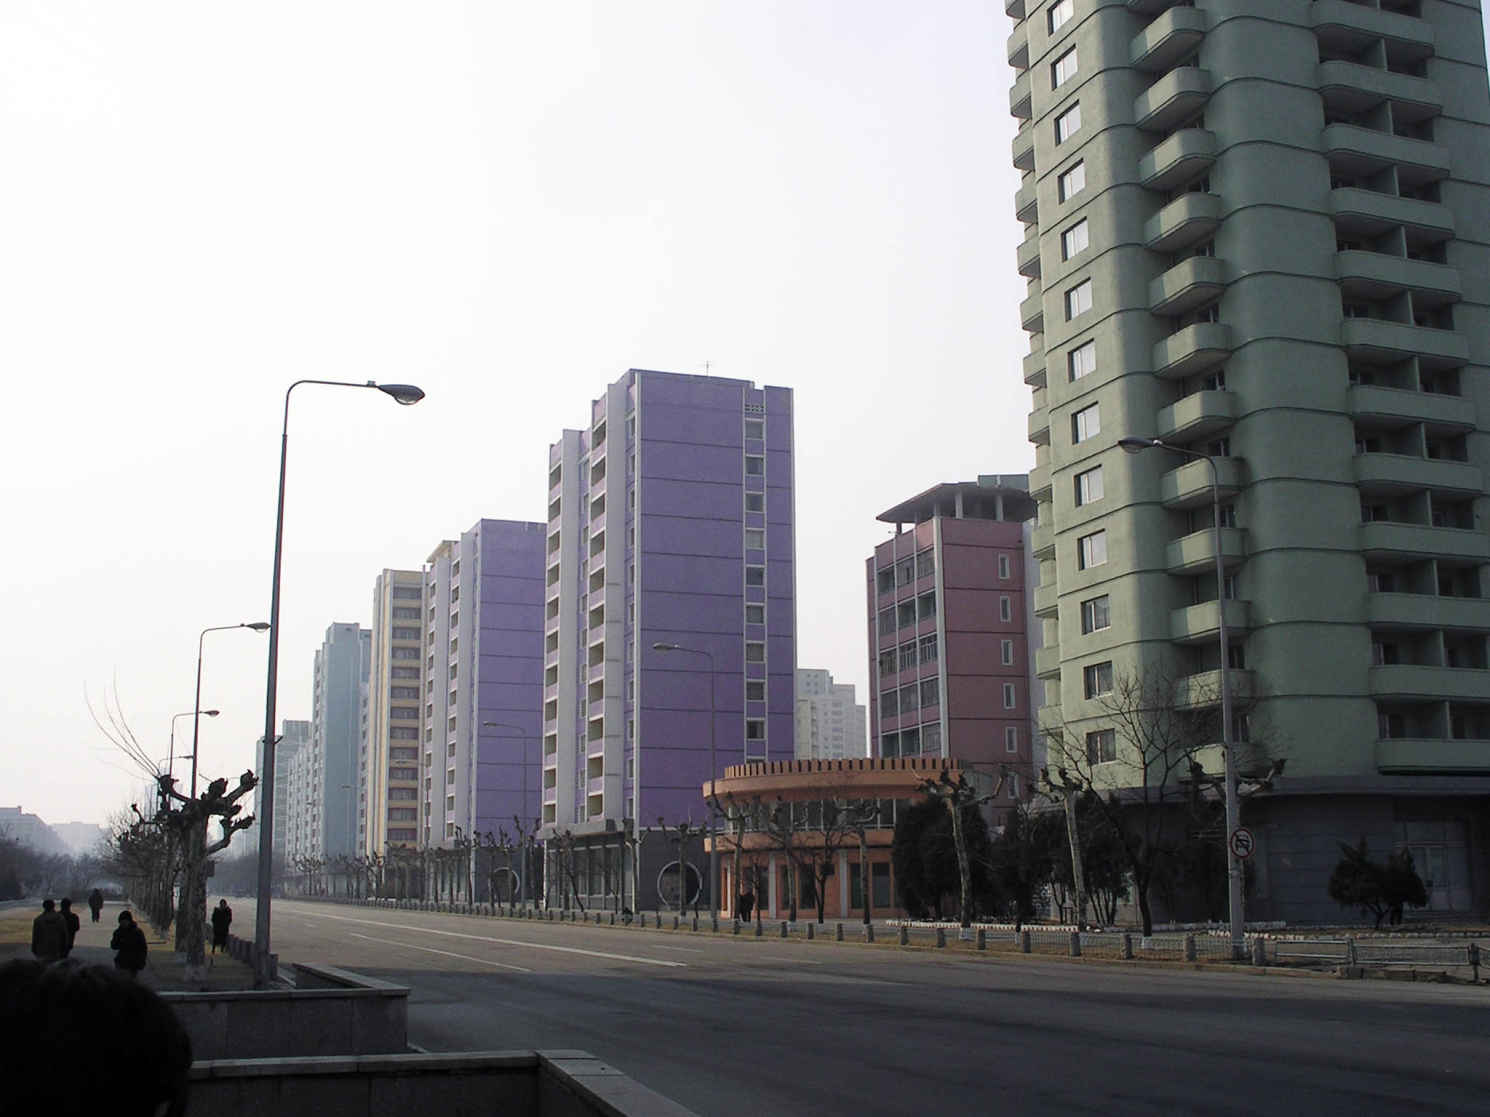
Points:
(1096, 679)
(908, 656)
(755, 428)
(1068, 123)
(1003, 567)
(1091, 550)
(1101, 747)
(1086, 423)
(755, 729)
(1078, 300)
(929, 695)
(1060, 13)
(755, 575)
(1063, 69)
(887, 622)
(887, 662)
(755, 502)
(889, 704)
(755, 465)
(755, 690)
(1074, 240)
(908, 699)
(403, 733)
(1089, 486)
(755, 651)
(931, 740)
(755, 539)
(926, 606)
(1011, 738)
(1006, 652)
(928, 649)
(925, 564)
(1071, 181)
(755, 614)
(1009, 696)
(404, 672)
(1006, 607)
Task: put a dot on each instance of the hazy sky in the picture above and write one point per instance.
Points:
(507, 204)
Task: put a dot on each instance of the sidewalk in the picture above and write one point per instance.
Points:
(164, 969)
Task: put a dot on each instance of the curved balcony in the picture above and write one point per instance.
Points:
(1197, 415)
(1189, 485)
(1039, 426)
(1027, 256)
(1032, 312)
(1022, 148)
(1377, 341)
(1017, 49)
(1167, 39)
(1433, 756)
(1034, 367)
(1178, 159)
(1427, 611)
(1189, 218)
(1042, 542)
(1419, 682)
(1019, 96)
(1048, 662)
(1201, 624)
(1045, 600)
(1376, 276)
(1196, 348)
(1349, 87)
(1179, 94)
(1190, 283)
(1358, 152)
(1404, 473)
(1366, 213)
(1026, 200)
(1346, 28)
(1449, 413)
(1014, 9)
(1040, 482)
(1196, 553)
(1204, 687)
(1385, 539)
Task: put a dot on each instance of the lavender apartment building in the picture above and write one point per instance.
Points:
(670, 522)
(948, 618)
(483, 600)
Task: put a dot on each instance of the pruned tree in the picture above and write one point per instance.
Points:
(1376, 888)
(860, 816)
(927, 866)
(960, 799)
(1023, 857)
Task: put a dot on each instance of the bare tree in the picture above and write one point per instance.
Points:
(960, 796)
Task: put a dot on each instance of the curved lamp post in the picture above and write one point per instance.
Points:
(171, 759)
(662, 646)
(1233, 808)
(405, 394)
(522, 735)
(196, 722)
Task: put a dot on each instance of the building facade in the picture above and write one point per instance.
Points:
(388, 766)
(483, 680)
(293, 736)
(671, 521)
(322, 819)
(831, 725)
(948, 649)
(1256, 232)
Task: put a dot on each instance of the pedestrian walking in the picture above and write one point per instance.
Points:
(49, 933)
(747, 905)
(222, 919)
(130, 943)
(70, 918)
(95, 903)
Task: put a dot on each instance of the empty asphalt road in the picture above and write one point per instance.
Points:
(742, 1026)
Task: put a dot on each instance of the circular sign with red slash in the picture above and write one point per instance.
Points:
(1242, 842)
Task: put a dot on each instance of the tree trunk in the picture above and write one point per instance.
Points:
(864, 877)
(964, 870)
(1078, 876)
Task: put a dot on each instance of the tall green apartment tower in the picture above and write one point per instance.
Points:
(1260, 229)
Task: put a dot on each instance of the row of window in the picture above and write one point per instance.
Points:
(907, 613)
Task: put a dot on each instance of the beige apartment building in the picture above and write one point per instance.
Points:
(1260, 230)
(388, 784)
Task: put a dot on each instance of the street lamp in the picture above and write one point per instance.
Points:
(662, 646)
(522, 881)
(405, 394)
(1233, 808)
(171, 758)
(196, 723)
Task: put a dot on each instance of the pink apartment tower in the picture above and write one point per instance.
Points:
(949, 653)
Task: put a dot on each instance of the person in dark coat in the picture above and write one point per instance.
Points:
(70, 918)
(95, 903)
(747, 905)
(130, 943)
(49, 933)
(222, 919)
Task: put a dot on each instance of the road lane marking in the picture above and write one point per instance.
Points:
(681, 949)
(515, 942)
(446, 953)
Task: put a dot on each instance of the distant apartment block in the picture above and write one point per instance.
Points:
(293, 736)
(323, 780)
(670, 520)
(388, 765)
(830, 723)
(483, 672)
(948, 616)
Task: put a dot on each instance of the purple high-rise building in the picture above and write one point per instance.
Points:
(671, 522)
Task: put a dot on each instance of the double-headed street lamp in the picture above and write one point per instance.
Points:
(522, 880)
(662, 646)
(171, 757)
(405, 394)
(1233, 808)
(196, 722)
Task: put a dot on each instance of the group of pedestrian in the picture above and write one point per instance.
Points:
(55, 930)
